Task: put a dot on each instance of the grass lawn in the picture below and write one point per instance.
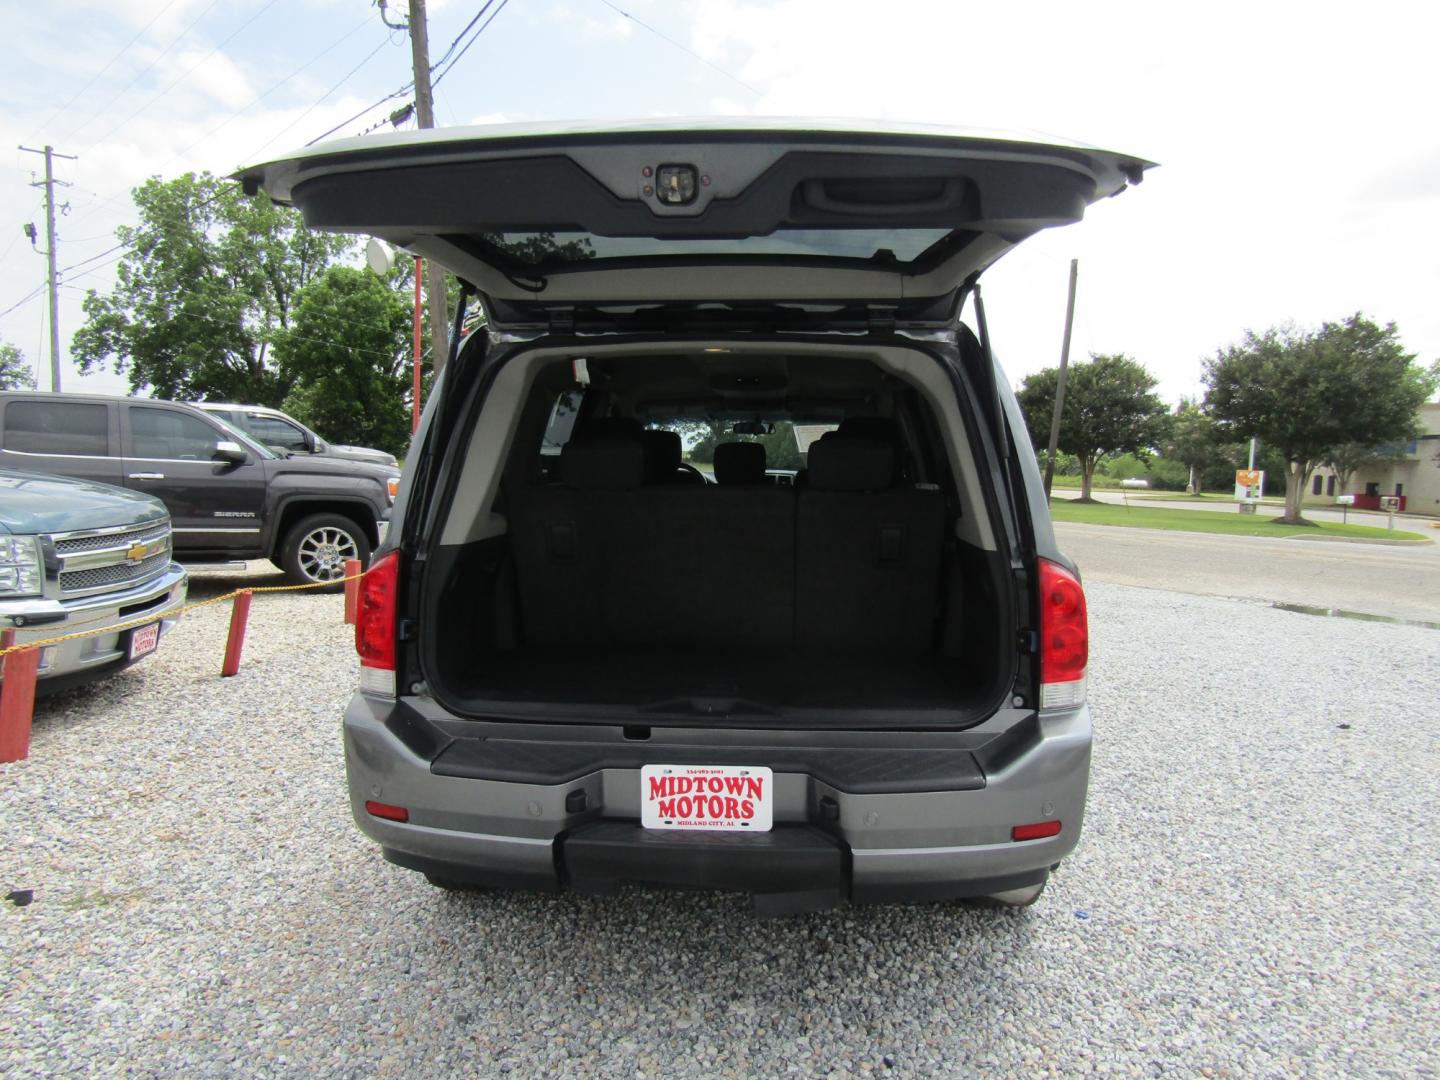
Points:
(1207, 521)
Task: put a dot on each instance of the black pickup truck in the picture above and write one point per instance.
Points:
(229, 497)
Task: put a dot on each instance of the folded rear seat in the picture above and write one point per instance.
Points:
(868, 553)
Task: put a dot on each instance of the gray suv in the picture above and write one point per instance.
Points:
(586, 664)
(283, 433)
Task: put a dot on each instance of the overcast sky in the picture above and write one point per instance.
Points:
(1298, 143)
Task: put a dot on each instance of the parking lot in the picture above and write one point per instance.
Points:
(1254, 892)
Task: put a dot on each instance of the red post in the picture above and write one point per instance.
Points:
(352, 590)
(235, 643)
(415, 394)
(17, 699)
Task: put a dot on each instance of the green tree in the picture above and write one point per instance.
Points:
(1192, 441)
(1305, 393)
(208, 281)
(15, 373)
(1110, 408)
(348, 351)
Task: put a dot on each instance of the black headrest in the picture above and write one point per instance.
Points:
(611, 427)
(868, 427)
(613, 464)
(846, 464)
(740, 463)
(662, 454)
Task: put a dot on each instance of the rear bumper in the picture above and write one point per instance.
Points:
(828, 845)
(102, 651)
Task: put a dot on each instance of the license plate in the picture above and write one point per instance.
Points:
(144, 640)
(739, 798)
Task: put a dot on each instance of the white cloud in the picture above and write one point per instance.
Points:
(216, 76)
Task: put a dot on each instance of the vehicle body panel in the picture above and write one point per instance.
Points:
(221, 510)
(277, 429)
(450, 195)
(564, 233)
(105, 562)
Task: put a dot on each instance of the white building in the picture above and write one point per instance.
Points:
(1415, 476)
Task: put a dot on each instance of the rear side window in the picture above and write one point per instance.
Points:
(273, 432)
(563, 415)
(57, 427)
(160, 433)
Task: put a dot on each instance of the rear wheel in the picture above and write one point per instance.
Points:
(317, 547)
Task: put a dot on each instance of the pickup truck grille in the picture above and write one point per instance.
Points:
(98, 561)
(77, 581)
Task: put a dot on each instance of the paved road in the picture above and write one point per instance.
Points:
(1377, 579)
(1374, 519)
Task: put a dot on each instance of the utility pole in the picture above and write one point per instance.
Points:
(425, 117)
(49, 185)
(1060, 381)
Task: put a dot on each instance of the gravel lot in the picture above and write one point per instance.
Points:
(1255, 892)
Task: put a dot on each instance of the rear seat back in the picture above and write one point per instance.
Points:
(563, 542)
(850, 564)
(605, 561)
(868, 554)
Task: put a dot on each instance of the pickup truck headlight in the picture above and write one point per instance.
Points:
(21, 573)
(392, 487)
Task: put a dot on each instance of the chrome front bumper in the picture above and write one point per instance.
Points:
(33, 620)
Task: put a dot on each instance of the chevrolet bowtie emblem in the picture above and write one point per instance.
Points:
(137, 552)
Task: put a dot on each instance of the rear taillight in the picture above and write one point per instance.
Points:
(1064, 638)
(375, 625)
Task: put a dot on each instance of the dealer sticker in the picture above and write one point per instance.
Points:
(739, 798)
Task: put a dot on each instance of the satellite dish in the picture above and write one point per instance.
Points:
(379, 256)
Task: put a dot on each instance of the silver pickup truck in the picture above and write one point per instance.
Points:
(78, 557)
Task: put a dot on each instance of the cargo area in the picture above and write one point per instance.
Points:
(631, 569)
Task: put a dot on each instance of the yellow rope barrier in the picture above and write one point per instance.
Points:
(147, 619)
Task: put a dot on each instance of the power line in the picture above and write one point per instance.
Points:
(472, 41)
(90, 210)
(410, 85)
(689, 52)
(187, 72)
(111, 63)
(141, 74)
(478, 15)
(92, 258)
(22, 302)
(345, 123)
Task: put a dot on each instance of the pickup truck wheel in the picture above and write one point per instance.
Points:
(316, 549)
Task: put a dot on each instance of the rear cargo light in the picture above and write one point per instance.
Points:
(1038, 831)
(1064, 638)
(386, 811)
(375, 625)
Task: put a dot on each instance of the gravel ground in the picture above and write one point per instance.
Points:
(1255, 893)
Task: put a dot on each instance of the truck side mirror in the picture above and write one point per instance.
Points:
(232, 453)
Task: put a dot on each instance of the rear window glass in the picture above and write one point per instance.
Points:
(55, 427)
(273, 432)
(552, 249)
